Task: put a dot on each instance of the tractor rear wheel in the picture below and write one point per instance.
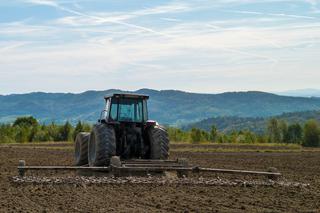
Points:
(159, 143)
(102, 145)
(81, 148)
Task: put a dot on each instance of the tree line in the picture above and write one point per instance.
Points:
(277, 131)
(28, 129)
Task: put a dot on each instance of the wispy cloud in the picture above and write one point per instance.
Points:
(116, 19)
(12, 46)
(314, 5)
(51, 3)
(270, 14)
(171, 19)
(206, 44)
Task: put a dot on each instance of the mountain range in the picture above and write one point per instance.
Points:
(166, 106)
(257, 125)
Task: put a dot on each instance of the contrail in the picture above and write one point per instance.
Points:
(14, 46)
(58, 6)
(270, 14)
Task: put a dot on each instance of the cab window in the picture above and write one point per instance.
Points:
(126, 109)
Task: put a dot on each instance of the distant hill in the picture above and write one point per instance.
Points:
(258, 125)
(167, 106)
(301, 93)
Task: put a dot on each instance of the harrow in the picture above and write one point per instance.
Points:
(137, 166)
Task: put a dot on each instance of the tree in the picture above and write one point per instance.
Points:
(262, 138)
(205, 136)
(33, 132)
(42, 135)
(283, 126)
(7, 133)
(25, 122)
(222, 138)
(233, 137)
(274, 132)
(78, 129)
(250, 137)
(175, 134)
(213, 133)
(26, 128)
(53, 131)
(311, 134)
(66, 132)
(195, 135)
(22, 135)
(295, 133)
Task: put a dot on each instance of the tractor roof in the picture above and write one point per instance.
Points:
(127, 95)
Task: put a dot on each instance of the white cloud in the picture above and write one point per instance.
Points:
(129, 50)
(51, 3)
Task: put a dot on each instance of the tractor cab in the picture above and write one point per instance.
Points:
(125, 108)
(127, 115)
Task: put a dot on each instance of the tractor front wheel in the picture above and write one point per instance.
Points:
(81, 148)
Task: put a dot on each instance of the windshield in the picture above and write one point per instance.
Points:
(129, 110)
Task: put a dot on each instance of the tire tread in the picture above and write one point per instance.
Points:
(159, 140)
(82, 140)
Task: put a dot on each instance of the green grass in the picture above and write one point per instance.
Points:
(185, 147)
(39, 143)
(204, 150)
(292, 146)
(39, 147)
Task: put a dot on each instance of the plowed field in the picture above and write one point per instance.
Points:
(302, 166)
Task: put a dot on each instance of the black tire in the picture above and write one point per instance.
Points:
(159, 143)
(102, 145)
(81, 148)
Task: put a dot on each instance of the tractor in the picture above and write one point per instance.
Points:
(123, 130)
(125, 142)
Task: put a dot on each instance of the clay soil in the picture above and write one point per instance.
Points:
(297, 166)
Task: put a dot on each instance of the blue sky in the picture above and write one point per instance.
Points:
(205, 46)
